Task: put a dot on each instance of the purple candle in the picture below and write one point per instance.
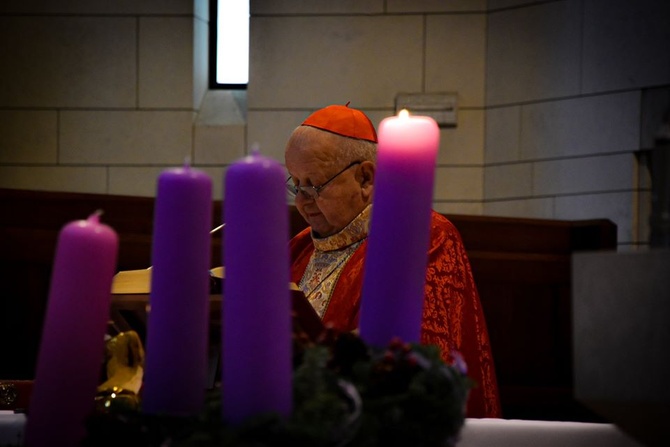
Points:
(395, 265)
(178, 323)
(256, 334)
(73, 336)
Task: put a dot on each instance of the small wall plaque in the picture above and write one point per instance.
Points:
(442, 107)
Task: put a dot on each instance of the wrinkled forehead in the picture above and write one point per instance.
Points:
(308, 145)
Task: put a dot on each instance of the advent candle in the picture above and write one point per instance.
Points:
(256, 333)
(73, 335)
(178, 323)
(397, 256)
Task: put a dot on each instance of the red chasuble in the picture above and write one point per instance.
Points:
(452, 317)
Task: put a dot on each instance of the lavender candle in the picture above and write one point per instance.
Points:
(395, 265)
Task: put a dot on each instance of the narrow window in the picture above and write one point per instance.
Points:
(229, 44)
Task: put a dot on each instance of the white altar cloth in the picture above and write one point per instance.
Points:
(524, 433)
(476, 433)
(11, 427)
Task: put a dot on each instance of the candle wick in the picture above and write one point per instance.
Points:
(255, 149)
(187, 161)
(95, 217)
(214, 230)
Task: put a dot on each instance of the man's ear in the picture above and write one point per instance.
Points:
(367, 178)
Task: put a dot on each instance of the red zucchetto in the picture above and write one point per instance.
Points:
(343, 120)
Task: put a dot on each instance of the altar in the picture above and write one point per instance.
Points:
(522, 269)
(545, 247)
(475, 433)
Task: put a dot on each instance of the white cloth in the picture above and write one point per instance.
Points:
(11, 428)
(523, 433)
(476, 433)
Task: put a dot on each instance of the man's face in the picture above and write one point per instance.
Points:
(311, 161)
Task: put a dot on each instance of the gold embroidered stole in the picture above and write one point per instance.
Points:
(329, 258)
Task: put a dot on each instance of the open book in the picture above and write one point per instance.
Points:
(135, 282)
(130, 303)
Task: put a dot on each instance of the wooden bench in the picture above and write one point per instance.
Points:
(521, 266)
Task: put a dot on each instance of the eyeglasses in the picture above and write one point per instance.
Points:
(312, 192)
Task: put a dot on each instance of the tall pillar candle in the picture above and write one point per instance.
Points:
(397, 256)
(178, 323)
(256, 334)
(72, 345)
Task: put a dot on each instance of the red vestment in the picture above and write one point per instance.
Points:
(452, 317)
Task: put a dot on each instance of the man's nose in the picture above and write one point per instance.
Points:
(303, 196)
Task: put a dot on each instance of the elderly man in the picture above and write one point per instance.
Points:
(331, 161)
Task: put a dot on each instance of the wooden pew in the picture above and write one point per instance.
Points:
(521, 266)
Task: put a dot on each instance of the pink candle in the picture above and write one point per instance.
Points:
(395, 266)
(178, 323)
(256, 334)
(72, 348)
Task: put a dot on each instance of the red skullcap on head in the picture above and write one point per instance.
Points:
(343, 120)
